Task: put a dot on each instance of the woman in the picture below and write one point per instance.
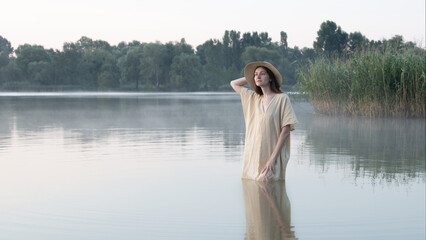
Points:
(269, 118)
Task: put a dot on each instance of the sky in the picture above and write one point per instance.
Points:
(50, 23)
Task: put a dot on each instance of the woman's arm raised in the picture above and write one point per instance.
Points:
(237, 84)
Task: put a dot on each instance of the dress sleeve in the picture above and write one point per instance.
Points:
(247, 99)
(287, 113)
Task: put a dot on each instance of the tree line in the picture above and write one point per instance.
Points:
(94, 65)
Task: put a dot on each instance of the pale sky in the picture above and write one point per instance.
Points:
(50, 23)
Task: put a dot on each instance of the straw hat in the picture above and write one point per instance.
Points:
(251, 67)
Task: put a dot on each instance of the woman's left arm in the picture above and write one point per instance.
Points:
(270, 164)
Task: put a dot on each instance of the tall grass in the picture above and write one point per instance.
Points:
(371, 82)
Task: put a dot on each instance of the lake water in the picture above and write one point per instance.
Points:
(168, 166)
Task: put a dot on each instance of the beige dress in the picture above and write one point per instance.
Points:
(263, 127)
(268, 211)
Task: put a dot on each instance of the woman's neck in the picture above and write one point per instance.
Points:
(267, 91)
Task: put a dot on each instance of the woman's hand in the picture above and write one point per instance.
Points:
(237, 84)
(269, 167)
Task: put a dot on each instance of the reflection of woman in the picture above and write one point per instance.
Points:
(269, 119)
(267, 211)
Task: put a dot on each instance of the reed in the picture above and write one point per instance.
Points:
(372, 82)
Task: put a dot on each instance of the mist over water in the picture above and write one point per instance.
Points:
(168, 166)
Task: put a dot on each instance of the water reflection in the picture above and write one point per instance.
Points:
(139, 120)
(381, 149)
(267, 209)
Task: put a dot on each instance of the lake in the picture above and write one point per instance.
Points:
(168, 166)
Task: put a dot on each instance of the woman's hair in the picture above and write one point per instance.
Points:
(275, 87)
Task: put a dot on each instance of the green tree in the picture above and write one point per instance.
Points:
(178, 48)
(124, 47)
(211, 52)
(265, 40)
(107, 80)
(96, 62)
(85, 44)
(357, 41)
(11, 75)
(212, 58)
(288, 67)
(247, 40)
(130, 66)
(36, 64)
(331, 39)
(154, 58)
(100, 44)
(186, 72)
(232, 48)
(283, 42)
(308, 54)
(256, 40)
(68, 65)
(40, 72)
(174, 49)
(6, 51)
(395, 42)
(25, 54)
(252, 54)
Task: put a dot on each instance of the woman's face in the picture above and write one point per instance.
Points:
(261, 77)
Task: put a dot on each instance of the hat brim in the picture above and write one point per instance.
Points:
(251, 67)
